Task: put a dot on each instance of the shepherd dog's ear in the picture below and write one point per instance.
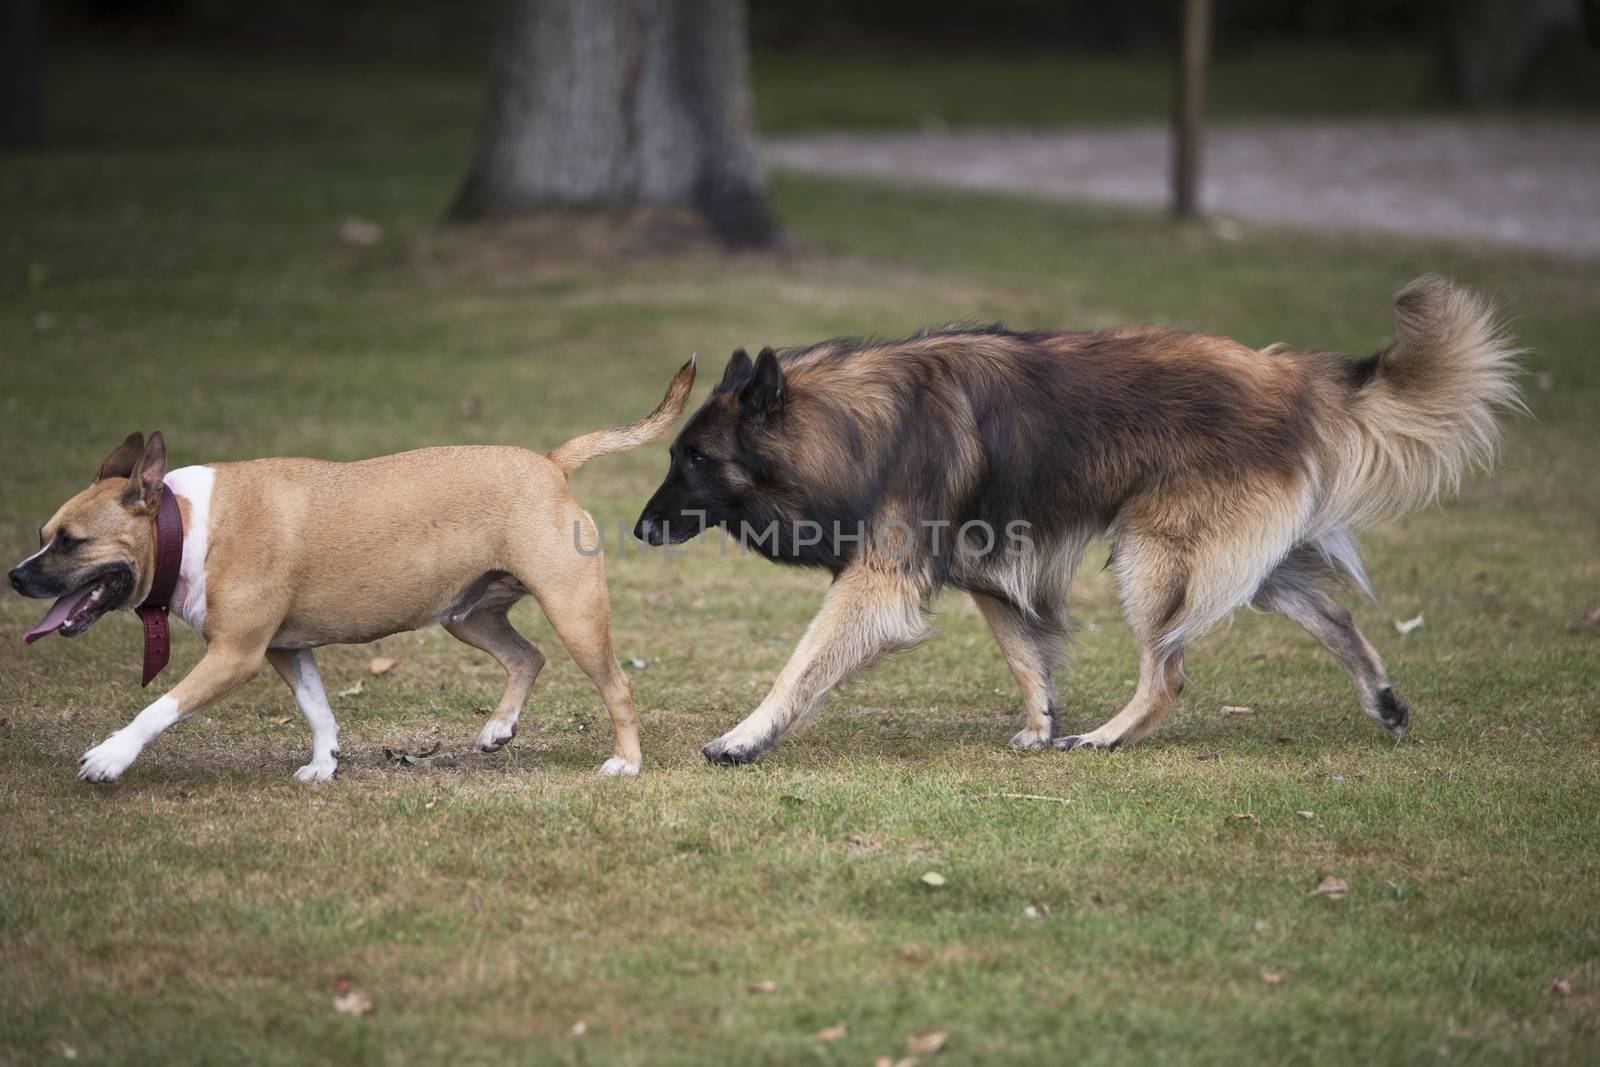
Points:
(766, 393)
(737, 375)
(120, 463)
(144, 482)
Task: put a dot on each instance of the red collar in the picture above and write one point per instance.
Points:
(152, 611)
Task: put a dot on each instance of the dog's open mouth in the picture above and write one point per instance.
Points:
(78, 610)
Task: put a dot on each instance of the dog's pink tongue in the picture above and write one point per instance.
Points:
(57, 614)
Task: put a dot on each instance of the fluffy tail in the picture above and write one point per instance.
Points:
(1426, 410)
(653, 427)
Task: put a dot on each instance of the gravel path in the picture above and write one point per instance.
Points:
(1529, 183)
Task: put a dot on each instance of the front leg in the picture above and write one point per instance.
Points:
(298, 669)
(223, 669)
(868, 611)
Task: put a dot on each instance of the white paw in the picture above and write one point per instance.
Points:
(616, 766)
(317, 770)
(1028, 740)
(495, 733)
(107, 760)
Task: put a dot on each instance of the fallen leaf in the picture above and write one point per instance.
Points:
(430, 805)
(637, 664)
(1332, 887)
(1036, 911)
(768, 986)
(364, 233)
(1306, 814)
(1243, 816)
(1237, 709)
(933, 878)
(401, 758)
(1272, 977)
(1262, 926)
(283, 720)
(1587, 621)
(381, 664)
(580, 1028)
(64, 1050)
(354, 690)
(1561, 988)
(831, 1033)
(354, 1002)
(1408, 625)
(927, 1042)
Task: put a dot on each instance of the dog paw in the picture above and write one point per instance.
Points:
(729, 750)
(495, 734)
(617, 767)
(1392, 712)
(317, 770)
(1087, 742)
(1031, 740)
(107, 760)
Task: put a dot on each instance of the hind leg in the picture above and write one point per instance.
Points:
(1184, 562)
(1032, 649)
(1295, 590)
(572, 591)
(489, 630)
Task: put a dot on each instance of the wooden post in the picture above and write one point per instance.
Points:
(1188, 107)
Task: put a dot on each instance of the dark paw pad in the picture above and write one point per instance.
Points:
(727, 754)
(1392, 712)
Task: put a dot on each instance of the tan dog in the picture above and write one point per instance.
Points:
(282, 555)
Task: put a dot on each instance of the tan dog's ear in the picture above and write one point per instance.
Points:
(144, 481)
(120, 463)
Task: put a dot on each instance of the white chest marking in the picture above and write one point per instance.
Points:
(189, 596)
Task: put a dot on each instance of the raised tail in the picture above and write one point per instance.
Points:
(653, 427)
(1423, 411)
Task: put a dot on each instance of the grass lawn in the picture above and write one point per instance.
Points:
(179, 272)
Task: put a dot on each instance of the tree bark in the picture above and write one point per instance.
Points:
(619, 104)
(21, 74)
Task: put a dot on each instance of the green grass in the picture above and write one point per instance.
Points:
(203, 909)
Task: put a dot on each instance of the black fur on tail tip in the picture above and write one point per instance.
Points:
(1393, 711)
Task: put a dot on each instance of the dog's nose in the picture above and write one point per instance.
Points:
(648, 530)
(16, 578)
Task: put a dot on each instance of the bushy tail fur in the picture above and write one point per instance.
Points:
(1428, 411)
(653, 427)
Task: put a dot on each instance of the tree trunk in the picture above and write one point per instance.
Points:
(21, 74)
(618, 104)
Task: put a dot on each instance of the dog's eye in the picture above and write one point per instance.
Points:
(65, 542)
(693, 457)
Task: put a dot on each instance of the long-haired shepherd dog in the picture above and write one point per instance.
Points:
(989, 460)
